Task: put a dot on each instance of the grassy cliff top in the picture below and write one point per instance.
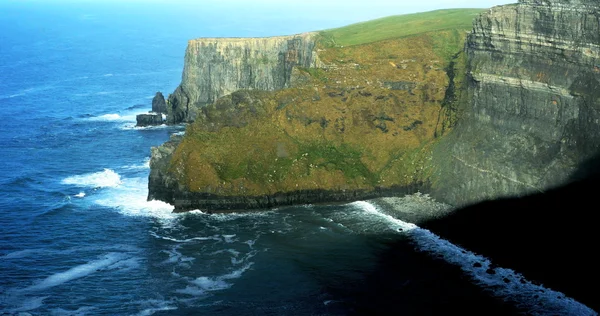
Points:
(365, 119)
(401, 26)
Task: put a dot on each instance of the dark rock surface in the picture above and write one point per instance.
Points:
(149, 119)
(535, 102)
(159, 105)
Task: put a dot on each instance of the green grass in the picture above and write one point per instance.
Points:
(400, 26)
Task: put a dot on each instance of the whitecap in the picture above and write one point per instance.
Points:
(203, 284)
(153, 306)
(133, 126)
(114, 117)
(109, 117)
(76, 272)
(191, 290)
(130, 199)
(144, 165)
(187, 240)
(103, 179)
(20, 254)
(80, 195)
(229, 238)
(108, 75)
(535, 298)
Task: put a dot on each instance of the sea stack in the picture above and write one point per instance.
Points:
(156, 116)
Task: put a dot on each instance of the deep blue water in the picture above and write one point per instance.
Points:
(77, 235)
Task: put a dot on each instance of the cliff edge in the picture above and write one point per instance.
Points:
(215, 67)
(534, 102)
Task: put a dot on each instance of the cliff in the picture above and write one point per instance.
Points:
(515, 112)
(215, 67)
(534, 109)
(360, 125)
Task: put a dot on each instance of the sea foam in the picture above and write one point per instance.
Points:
(77, 272)
(130, 199)
(103, 179)
(536, 299)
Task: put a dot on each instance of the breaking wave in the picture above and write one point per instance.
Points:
(534, 298)
(103, 179)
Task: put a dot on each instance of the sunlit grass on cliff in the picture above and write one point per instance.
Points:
(401, 26)
(366, 119)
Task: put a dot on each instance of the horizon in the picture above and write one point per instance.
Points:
(237, 18)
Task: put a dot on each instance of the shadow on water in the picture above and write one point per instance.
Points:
(549, 237)
(409, 282)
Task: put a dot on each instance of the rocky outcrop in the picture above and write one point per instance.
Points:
(156, 116)
(159, 105)
(162, 186)
(150, 119)
(215, 67)
(534, 110)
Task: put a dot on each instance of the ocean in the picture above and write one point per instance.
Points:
(77, 236)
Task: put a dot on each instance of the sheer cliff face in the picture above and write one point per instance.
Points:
(215, 67)
(534, 114)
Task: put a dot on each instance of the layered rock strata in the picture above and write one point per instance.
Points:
(534, 111)
(215, 67)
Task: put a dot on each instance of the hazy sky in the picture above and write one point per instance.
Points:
(247, 18)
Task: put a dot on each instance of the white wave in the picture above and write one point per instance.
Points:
(114, 117)
(153, 306)
(215, 237)
(129, 199)
(191, 290)
(177, 257)
(76, 272)
(132, 126)
(80, 195)
(103, 179)
(20, 254)
(145, 165)
(225, 217)
(210, 284)
(235, 261)
(108, 75)
(535, 298)
(233, 252)
(229, 238)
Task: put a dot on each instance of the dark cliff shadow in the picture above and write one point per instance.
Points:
(406, 281)
(550, 238)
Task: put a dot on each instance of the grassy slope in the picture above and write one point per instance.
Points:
(401, 26)
(343, 127)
